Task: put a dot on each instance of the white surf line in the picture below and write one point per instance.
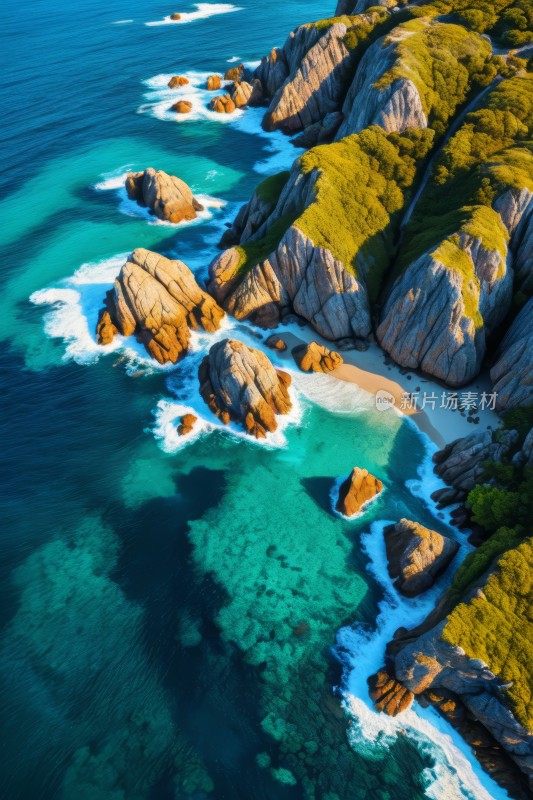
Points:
(457, 775)
(203, 11)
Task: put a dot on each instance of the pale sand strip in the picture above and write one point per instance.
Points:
(370, 372)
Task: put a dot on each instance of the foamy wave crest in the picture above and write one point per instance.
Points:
(122, 22)
(203, 11)
(455, 774)
(115, 182)
(160, 99)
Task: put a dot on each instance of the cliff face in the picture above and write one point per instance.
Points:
(512, 374)
(395, 107)
(442, 309)
(428, 662)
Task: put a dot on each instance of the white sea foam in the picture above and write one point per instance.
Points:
(74, 306)
(122, 22)
(455, 774)
(160, 98)
(203, 11)
(233, 59)
(115, 182)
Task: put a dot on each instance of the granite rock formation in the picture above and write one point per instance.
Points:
(167, 197)
(358, 489)
(158, 300)
(416, 555)
(239, 383)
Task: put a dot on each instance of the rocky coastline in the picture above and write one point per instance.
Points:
(407, 221)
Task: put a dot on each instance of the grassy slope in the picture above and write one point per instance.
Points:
(497, 627)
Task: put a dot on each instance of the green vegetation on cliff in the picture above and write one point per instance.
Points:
(496, 627)
(270, 189)
(508, 21)
(445, 62)
(490, 153)
(362, 185)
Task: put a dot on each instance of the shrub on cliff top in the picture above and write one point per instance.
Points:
(496, 627)
(362, 185)
(445, 62)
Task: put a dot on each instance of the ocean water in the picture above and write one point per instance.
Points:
(178, 619)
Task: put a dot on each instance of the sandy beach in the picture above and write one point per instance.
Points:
(373, 372)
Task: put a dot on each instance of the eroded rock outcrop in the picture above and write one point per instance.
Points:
(446, 303)
(314, 357)
(247, 94)
(395, 107)
(316, 87)
(388, 694)
(166, 196)
(512, 374)
(222, 104)
(239, 383)
(158, 300)
(461, 463)
(213, 83)
(358, 489)
(416, 555)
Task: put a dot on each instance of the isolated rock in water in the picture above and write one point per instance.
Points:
(315, 357)
(213, 83)
(388, 694)
(105, 328)
(234, 73)
(275, 342)
(247, 94)
(160, 301)
(239, 383)
(175, 17)
(168, 197)
(357, 489)
(416, 555)
(187, 423)
(512, 374)
(222, 104)
(177, 80)
(182, 107)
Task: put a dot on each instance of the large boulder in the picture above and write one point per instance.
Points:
(416, 555)
(158, 300)
(168, 198)
(177, 80)
(222, 104)
(182, 107)
(239, 383)
(388, 695)
(213, 83)
(247, 94)
(314, 357)
(358, 489)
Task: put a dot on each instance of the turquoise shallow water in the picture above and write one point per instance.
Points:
(169, 616)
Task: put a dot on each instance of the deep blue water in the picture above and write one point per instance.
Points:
(168, 616)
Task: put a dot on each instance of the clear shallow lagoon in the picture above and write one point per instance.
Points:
(169, 616)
